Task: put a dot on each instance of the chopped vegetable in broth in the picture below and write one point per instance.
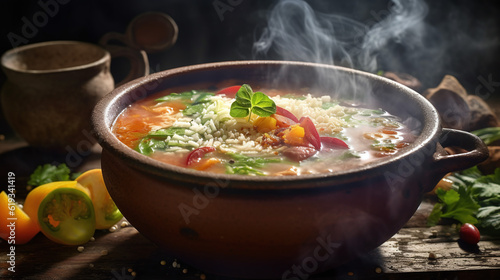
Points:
(238, 131)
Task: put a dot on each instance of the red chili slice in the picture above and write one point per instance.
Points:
(196, 154)
(285, 113)
(332, 142)
(229, 91)
(311, 133)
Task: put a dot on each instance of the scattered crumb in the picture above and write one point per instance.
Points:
(112, 229)
(91, 265)
(378, 270)
(104, 252)
(133, 273)
(124, 224)
(92, 238)
(432, 256)
(80, 249)
(178, 265)
(174, 264)
(203, 277)
(185, 271)
(163, 262)
(130, 270)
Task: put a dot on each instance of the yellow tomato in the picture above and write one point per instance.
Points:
(106, 212)
(16, 227)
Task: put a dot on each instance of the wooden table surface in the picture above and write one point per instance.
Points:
(415, 252)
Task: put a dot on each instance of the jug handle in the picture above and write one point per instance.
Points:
(139, 63)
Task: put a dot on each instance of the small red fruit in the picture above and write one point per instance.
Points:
(469, 234)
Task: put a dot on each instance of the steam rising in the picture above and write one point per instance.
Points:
(296, 32)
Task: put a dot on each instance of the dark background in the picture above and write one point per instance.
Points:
(467, 32)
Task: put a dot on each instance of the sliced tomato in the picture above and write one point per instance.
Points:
(63, 211)
(334, 143)
(285, 113)
(14, 219)
(66, 216)
(106, 212)
(282, 121)
(196, 154)
(311, 133)
(229, 91)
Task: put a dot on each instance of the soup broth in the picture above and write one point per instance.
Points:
(283, 134)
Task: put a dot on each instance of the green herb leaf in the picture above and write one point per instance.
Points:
(187, 95)
(203, 97)
(459, 205)
(488, 135)
(165, 132)
(248, 102)
(262, 105)
(246, 165)
(148, 145)
(489, 217)
(238, 111)
(47, 173)
(193, 109)
(435, 215)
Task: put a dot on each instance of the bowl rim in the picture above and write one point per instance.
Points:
(106, 56)
(102, 130)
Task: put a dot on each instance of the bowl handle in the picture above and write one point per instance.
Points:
(443, 162)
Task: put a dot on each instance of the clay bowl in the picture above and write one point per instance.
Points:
(278, 227)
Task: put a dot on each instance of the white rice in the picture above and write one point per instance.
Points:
(214, 127)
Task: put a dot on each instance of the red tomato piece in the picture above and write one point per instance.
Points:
(229, 91)
(282, 121)
(285, 113)
(332, 142)
(469, 234)
(311, 133)
(196, 154)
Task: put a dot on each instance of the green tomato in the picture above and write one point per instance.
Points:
(66, 216)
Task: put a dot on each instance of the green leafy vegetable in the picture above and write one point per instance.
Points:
(148, 145)
(489, 217)
(488, 135)
(166, 132)
(156, 140)
(193, 109)
(248, 102)
(473, 195)
(245, 165)
(458, 205)
(47, 173)
(187, 95)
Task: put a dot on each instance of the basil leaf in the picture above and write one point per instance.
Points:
(262, 105)
(244, 96)
(238, 111)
